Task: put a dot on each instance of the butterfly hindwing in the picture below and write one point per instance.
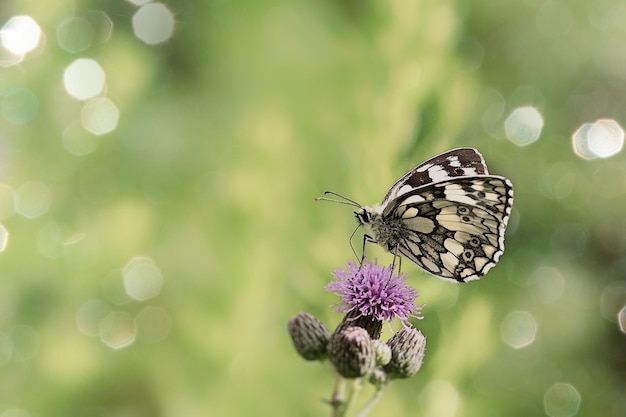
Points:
(454, 229)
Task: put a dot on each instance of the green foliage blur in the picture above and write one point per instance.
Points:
(226, 133)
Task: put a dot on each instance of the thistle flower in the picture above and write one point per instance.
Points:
(374, 291)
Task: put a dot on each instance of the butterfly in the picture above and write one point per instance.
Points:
(447, 215)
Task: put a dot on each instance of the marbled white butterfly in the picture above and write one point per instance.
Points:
(448, 215)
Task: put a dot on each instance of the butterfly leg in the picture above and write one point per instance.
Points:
(393, 263)
(366, 238)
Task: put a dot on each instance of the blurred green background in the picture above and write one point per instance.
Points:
(158, 200)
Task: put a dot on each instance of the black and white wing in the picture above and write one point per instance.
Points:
(453, 228)
(460, 162)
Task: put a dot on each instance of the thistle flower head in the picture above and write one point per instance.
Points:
(375, 291)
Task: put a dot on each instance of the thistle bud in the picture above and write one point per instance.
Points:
(407, 353)
(309, 335)
(378, 378)
(383, 352)
(352, 353)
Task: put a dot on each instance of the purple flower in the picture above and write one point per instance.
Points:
(375, 291)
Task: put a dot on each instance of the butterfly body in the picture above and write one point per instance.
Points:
(447, 215)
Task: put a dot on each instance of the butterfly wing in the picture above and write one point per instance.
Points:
(454, 163)
(454, 228)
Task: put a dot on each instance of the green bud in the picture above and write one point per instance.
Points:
(383, 352)
(310, 336)
(407, 353)
(352, 353)
(378, 377)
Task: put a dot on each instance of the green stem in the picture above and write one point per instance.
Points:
(356, 388)
(372, 402)
(338, 399)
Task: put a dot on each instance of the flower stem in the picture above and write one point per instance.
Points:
(339, 401)
(372, 402)
(338, 398)
(354, 392)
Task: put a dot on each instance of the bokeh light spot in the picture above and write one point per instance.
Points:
(142, 278)
(153, 324)
(601, 139)
(139, 2)
(621, 319)
(90, 315)
(612, 299)
(153, 23)
(75, 34)
(518, 329)
(7, 201)
(8, 58)
(19, 106)
(101, 24)
(580, 142)
(561, 400)
(4, 238)
(524, 125)
(439, 398)
(606, 138)
(118, 330)
(549, 284)
(32, 199)
(20, 35)
(99, 116)
(84, 78)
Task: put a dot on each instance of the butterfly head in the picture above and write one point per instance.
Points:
(363, 216)
(366, 214)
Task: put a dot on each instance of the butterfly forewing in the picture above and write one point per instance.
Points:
(454, 163)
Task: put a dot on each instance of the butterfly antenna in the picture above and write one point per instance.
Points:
(341, 199)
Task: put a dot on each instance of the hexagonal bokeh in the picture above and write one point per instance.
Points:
(20, 35)
(4, 238)
(519, 329)
(153, 23)
(601, 139)
(621, 319)
(142, 278)
(99, 116)
(562, 400)
(118, 330)
(84, 78)
(524, 125)
(32, 199)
